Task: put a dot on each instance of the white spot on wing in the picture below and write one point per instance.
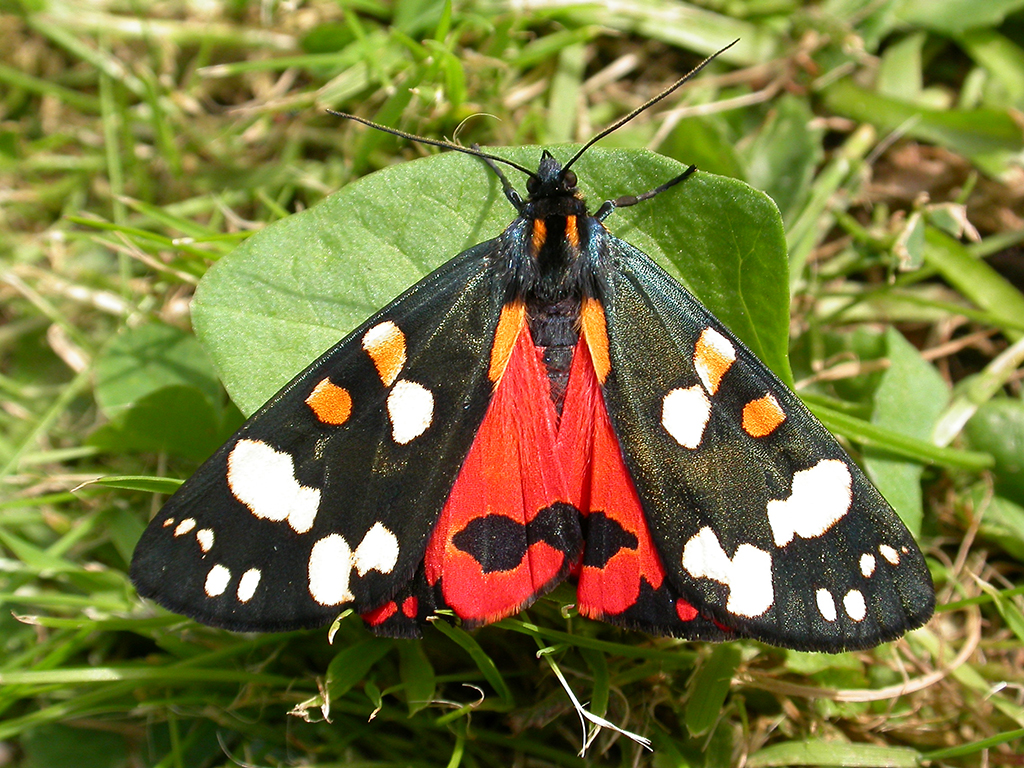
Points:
(826, 604)
(247, 584)
(867, 565)
(854, 605)
(685, 414)
(332, 560)
(330, 567)
(205, 538)
(263, 479)
(748, 574)
(378, 551)
(217, 581)
(820, 498)
(185, 526)
(168, 522)
(889, 554)
(411, 409)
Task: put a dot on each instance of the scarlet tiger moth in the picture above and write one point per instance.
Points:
(547, 405)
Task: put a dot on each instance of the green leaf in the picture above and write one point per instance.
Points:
(706, 143)
(709, 687)
(146, 483)
(352, 664)
(1007, 609)
(828, 753)
(141, 360)
(295, 289)
(899, 72)
(867, 434)
(598, 666)
(417, 674)
(178, 420)
(479, 656)
(1002, 520)
(974, 278)
(56, 745)
(784, 155)
(909, 399)
(1001, 57)
(991, 138)
(954, 16)
(998, 428)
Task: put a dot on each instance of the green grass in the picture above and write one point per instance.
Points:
(141, 143)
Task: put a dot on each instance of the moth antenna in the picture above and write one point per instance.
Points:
(435, 142)
(648, 104)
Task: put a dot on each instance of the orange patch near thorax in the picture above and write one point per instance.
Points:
(595, 332)
(513, 316)
(540, 233)
(572, 233)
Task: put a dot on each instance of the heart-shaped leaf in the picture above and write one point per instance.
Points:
(295, 289)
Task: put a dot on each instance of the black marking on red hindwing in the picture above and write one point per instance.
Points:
(403, 615)
(605, 537)
(499, 543)
(663, 612)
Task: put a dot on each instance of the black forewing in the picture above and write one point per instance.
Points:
(364, 477)
(726, 483)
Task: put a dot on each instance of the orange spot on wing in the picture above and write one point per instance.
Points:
(510, 326)
(385, 344)
(509, 476)
(714, 356)
(761, 417)
(599, 481)
(540, 234)
(595, 331)
(330, 403)
(572, 233)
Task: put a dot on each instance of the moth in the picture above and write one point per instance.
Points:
(547, 405)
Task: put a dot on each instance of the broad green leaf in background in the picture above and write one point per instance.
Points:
(179, 420)
(295, 289)
(1002, 520)
(141, 360)
(704, 141)
(782, 158)
(909, 399)
(998, 428)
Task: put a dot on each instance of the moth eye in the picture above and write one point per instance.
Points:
(570, 178)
